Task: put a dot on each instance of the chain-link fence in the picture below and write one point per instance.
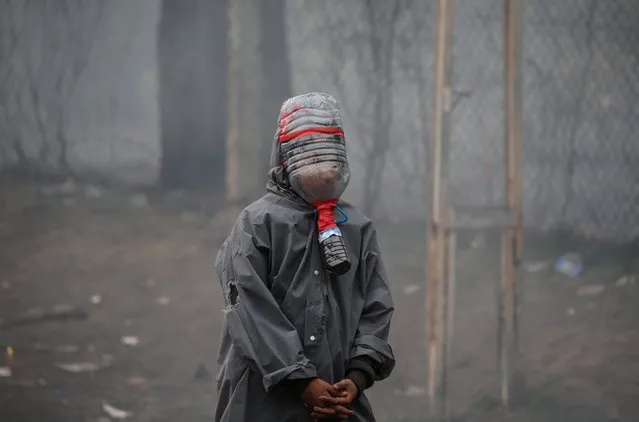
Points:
(580, 67)
(348, 48)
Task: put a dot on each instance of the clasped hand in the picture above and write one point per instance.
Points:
(328, 402)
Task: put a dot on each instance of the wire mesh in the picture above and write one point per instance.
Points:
(580, 67)
(580, 63)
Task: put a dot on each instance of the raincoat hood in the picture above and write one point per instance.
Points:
(277, 181)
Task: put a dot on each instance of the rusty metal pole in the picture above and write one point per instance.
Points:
(438, 201)
(511, 240)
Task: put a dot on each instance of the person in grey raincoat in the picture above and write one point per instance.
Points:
(308, 307)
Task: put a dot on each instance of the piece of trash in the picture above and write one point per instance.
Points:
(626, 280)
(478, 242)
(70, 348)
(202, 374)
(10, 352)
(570, 265)
(130, 340)
(570, 311)
(136, 381)
(536, 266)
(163, 300)
(414, 391)
(61, 312)
(115, 413)
(409, 290)
(96, 299)
(5, 285)
(67, 349)
(5, 372)
(591, 290)
(63, 309)
(80, 367)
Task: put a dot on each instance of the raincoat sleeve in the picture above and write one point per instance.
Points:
(370, 347)
(257, 326)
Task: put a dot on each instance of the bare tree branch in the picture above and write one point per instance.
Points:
(40, 87)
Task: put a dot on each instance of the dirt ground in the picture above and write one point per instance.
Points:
(151, 270)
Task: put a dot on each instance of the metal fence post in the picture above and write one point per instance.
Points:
(511, 237)
(439, 206)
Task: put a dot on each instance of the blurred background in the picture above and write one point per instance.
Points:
(133, 132)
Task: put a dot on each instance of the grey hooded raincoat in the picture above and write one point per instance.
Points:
(286, 319)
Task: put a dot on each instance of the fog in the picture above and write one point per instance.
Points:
(132, 133)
